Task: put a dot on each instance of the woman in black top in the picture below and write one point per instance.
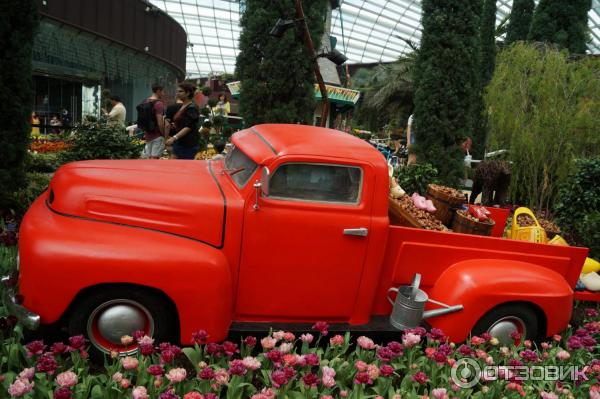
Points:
(186, 140)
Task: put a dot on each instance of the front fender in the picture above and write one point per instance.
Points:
(480, 285)
(61, 256)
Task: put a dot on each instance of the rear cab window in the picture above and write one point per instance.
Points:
(312, 182)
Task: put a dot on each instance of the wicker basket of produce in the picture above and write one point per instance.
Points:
(551, 228)
(403, 212)
(446, 200)
(467, 224)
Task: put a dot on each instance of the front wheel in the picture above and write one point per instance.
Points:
(503, 321)
(106, 315)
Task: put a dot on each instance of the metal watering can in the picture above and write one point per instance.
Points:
(408, 308)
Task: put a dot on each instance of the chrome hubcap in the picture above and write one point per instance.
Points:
(114, 319)
(503, 328)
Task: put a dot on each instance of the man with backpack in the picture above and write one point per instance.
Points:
(150, 121)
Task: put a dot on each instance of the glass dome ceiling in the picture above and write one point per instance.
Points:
(367, 30)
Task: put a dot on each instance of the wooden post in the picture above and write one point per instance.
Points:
(313, 55)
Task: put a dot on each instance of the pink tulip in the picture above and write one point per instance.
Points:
(268, 343)
(563, 355)
(360, 365)
(308, 338)
(251, 363)
(139, 393)
(365, 343)
(409, 340)
(20, 387)
(129, 363)
(117, 377)
(440, 393)
(66, 379)
(27, 374)
(125, 383)
(336, 340)
(176, 375)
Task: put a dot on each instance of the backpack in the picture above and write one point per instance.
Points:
(146, 119)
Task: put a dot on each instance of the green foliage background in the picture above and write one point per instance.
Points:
(545, 109)
(415, 178)
(577, 209)
(520, 20)
(446, 78)
(563, 22)
(99, 139)
(277, 79)
(18, 24)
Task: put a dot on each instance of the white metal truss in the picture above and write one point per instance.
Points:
(367, 30)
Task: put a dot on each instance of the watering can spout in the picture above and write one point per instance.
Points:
(439, 312)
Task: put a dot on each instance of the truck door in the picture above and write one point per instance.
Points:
(303, 250)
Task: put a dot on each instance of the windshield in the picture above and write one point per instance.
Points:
(239, 166)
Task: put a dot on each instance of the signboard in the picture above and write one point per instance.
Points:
(335, 94)
(234, 88)
(339, 95)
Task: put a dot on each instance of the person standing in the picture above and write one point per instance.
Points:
(118, 112)
(186, 140)
(35, 125)
(223, 108)
(55, 123)
(154, 135)
(410, 141)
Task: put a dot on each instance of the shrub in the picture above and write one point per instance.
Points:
(415, 178)
(21, 200)
(590, 232)
(578, 207)
(42, 162)
(99, 139)
(18, 24)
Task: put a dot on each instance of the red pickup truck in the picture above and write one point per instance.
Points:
(291, 227)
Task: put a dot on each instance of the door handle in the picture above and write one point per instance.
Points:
(361, 231)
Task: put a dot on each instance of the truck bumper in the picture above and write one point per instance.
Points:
(29, 319)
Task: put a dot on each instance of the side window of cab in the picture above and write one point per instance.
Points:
(317, 183)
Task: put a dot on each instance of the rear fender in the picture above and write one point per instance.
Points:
(480, 285)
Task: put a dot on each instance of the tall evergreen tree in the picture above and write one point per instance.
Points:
(18, 23)
(445, 81)
(520, 20)
(486, 65)
(488, 41)
(277, 78)
(563, 22)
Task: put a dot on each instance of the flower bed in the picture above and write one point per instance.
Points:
(283, 365)
(46, 146)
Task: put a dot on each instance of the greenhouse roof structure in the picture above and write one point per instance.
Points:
(368, 31)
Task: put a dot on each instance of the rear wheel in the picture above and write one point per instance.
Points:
(106, 315)
(503, 321)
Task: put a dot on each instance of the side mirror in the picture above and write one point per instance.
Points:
(261, 186)
(264, 181)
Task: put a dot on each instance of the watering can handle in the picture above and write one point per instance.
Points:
(415, 286)
(388, 295)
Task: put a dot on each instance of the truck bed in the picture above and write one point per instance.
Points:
(411, 250)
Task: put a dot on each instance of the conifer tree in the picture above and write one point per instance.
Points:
(563, 22)
(276, 74)
(487, 41)
(520, 20)
(18, 23)
(446, 76)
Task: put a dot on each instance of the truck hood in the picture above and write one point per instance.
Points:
(177, 197)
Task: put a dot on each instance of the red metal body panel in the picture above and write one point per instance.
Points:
(500, 215)
(163, 196)
(187, 229)
(482, 284)
(192, 274)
